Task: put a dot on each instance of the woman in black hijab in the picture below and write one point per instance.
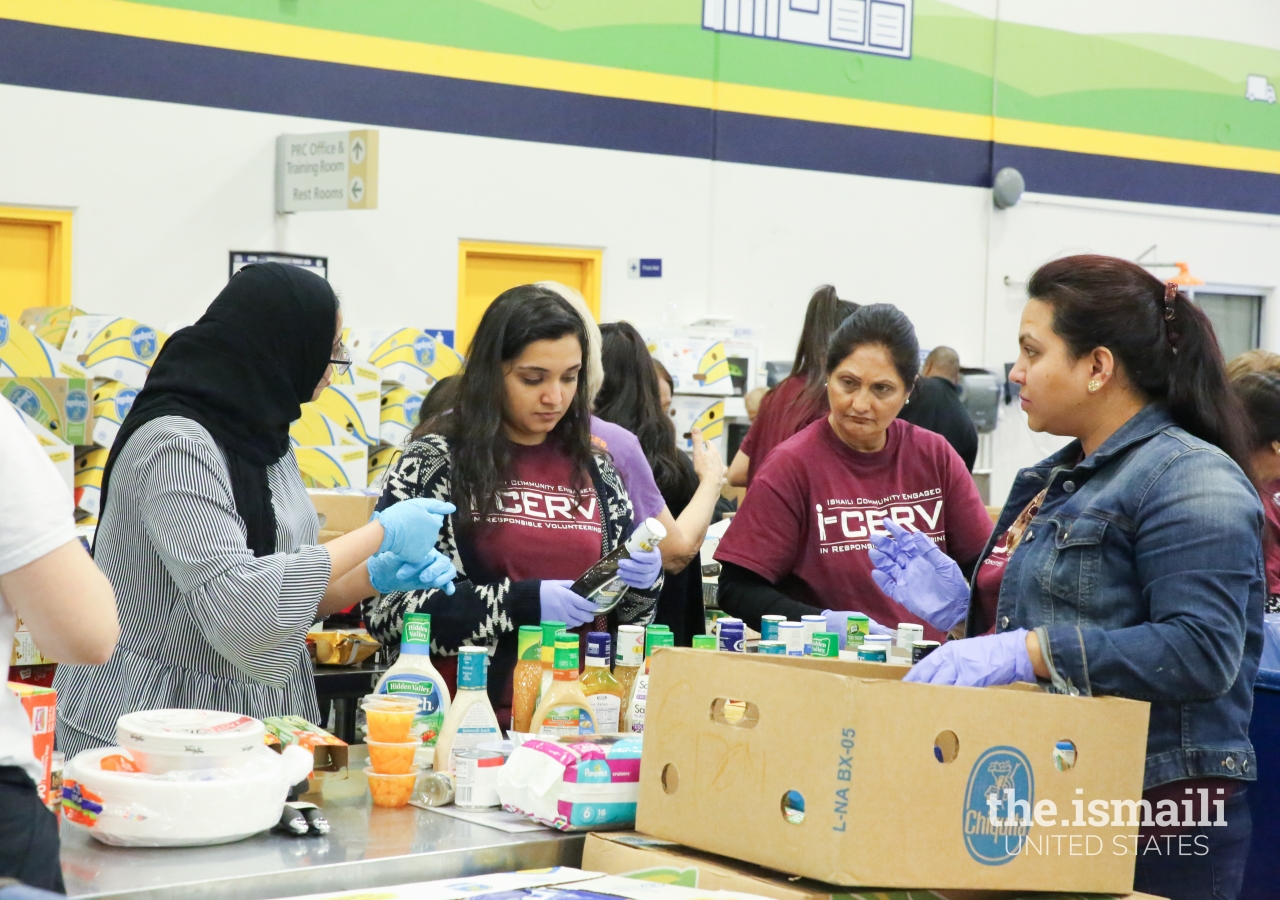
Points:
(206, 531)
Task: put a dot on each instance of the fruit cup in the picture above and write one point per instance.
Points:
(387, 758)
(391, 791)
(389, 718)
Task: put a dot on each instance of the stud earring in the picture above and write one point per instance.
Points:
(1094, 386)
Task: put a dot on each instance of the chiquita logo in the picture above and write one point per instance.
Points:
(4, 329)
(124, 402)
(424, 348)
(411, 407)
(144, 342)
(77, 406)
(998, 803)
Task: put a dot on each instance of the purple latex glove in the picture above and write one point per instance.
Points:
(914, 572)
(977, 662)
(560, 604)
(838, 621)
(642, 569)
(410, 527)
(388, 573)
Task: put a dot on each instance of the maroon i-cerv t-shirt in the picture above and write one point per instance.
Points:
(805, 524)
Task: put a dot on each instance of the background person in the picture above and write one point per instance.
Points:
(1128, 563)
(536, 505)
(48, 580)
(629, 398)
(206, 530)
(1259, 392)
(798, 545)
(801, 397)
(936, 405)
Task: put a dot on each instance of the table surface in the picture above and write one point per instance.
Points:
(366, 847)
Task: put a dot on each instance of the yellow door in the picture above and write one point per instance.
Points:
(486, 270)
(35, 259)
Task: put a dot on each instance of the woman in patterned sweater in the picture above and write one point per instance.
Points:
(535, 505)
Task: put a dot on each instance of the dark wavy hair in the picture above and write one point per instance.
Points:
(1260, 394)
(821, 319)
(630, 398)
(1101, 301)
(478, 444)
(885, 325)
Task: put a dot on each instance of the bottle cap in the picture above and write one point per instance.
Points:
(550, 628)
(656, 639)
(529, 642)
(647, 535)
(598, 646)
(473, 668)
(566, 652)
(704, 642)
(415, 636)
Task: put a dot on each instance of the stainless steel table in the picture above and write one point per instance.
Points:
(367, 847)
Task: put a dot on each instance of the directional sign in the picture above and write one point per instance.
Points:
(335, 170)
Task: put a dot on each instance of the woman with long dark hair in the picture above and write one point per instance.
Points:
(536, 506)
(1128, 563)
(799, 543)
(1259, 392)
(801, 397)
(630, 398)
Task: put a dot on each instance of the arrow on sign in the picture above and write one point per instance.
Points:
(357, 151)
(357, 188)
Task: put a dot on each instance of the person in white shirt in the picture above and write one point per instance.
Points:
(48, 580)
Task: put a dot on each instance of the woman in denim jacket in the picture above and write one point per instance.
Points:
(1130, 562)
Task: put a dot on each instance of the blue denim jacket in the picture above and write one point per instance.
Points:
(1142, 575)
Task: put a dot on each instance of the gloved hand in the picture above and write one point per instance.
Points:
(389, 573)
(977, 662)
(559, 604)
(838, 621)
(913, 571)
(410, 527)
(642, 569)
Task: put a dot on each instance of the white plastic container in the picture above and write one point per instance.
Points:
(167, 740)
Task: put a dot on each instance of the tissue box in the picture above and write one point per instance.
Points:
(574, 783)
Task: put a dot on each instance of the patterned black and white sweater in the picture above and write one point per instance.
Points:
(486, 610)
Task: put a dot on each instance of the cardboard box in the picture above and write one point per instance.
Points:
(706, 413)
(112, 401)
(25, 651)
(61, 405)
(399, 415)
(698, 365)
(632, 855)
(839, 772)
(354, 401)
(49, 323)
(89, 466)
(41, 707)
(114, 347)
(411, 357)
(333, 467)
(315, 429)
(60, 453)
(342, 512)
(23, 355)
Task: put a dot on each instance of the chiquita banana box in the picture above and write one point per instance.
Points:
(315, 429)
(60, 453)
(400, 408)
(23, 355)
(59, 404)
(112, 401)
(50, 323)
(412, 357)
(113, 347)
(380, 461)
(354, 401)
(706, 413)
(88, 479)
(333, 467)
(697, 365)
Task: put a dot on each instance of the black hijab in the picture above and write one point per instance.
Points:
(243, 372)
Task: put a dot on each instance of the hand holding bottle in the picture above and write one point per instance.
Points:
(911, 569)
(389, 573)
(561, 604)
(410, 527)
(642, 569)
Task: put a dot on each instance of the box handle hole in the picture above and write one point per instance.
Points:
(946, 747)
(670, 778)
(735, 713)
(793, 807)
(1064, 755)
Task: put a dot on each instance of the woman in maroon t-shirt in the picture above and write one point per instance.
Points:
(1260, 393)
(799, 543)
(801, 397)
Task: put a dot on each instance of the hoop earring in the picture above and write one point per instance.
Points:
(1094, 386)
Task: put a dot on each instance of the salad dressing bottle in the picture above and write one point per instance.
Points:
(550, 628)
(657, 636)
(413, 675)
(630, 658)
(470, 720)
(526, 680)
(602, 689)
(564, 709)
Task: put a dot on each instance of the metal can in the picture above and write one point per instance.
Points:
(436, 790)
(871, 653)
(826, 645)
(880, 640)
(732, 634)
(908, 634)
(859, 626)
(476, 775)
(792, 634)
(772, 648)
(921, 649)
(769, 627)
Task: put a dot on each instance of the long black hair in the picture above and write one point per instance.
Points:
(884, 325)
(1260, 394)
(629, 397)
(1164, 341)
(821, 318)
(478, 444)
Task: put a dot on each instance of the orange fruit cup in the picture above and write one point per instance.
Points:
(389, 718)
(392, 758)
(391, 791)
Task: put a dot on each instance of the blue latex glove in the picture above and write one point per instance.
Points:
(389, 573)
(977, 662)
(642, 569)
(838, 621)
(560, 604)
(410, 527)
(913, 571)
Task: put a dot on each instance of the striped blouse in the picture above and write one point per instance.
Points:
(203, 623)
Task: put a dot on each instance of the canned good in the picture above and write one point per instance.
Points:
(476, 777)
(732, 634)
(880, 640)
(704, 642)
(772, 648)
(922, 649)
(792, 634)
(859, 626)
(908, 634)
(826, 645)
(437, 789)
(871, 653)
(769, 627)
(812, 625)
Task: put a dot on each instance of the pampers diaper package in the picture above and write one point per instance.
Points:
(574, 783)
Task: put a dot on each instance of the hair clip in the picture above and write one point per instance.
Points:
(1170, 294)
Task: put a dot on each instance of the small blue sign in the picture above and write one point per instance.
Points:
(650, 268)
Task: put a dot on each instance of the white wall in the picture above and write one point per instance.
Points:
(162, 192)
